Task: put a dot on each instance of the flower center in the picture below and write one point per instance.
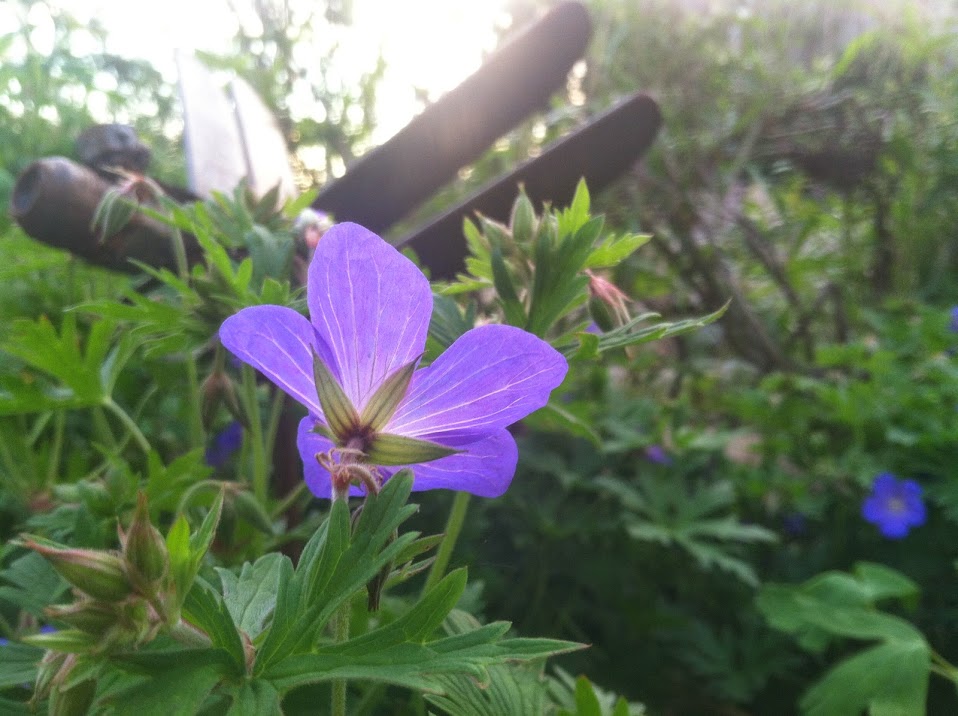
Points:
(897, 505)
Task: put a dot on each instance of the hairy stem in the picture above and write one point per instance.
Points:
(260, 468)
(138, 437)
(457, 516)
(341, 634)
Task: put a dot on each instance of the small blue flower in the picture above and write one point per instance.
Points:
(895, 506)
(795, 524)
(953, 324)
(224, 444)
(657, 454)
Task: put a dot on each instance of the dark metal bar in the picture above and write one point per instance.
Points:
(600, 152)
(390, 181)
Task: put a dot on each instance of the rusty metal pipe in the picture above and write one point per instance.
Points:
(54, 199)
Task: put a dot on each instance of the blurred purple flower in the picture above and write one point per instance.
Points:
(224, 444)
(369, 315)
(953, 324)
(795, 524)
(658, 455)
(895, 506)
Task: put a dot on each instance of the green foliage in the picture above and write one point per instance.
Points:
(85, 377)
(803, 183)
(658, 511)
(890, 677)
(551, 256)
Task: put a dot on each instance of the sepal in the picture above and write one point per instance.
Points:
(340, 414)
(387, 449)
(384, 402)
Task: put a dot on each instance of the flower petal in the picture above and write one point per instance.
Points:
(485, 468)
(371, 306)
(279, 343)
(489, 378)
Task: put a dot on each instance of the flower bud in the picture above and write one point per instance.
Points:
(97, 573)
(600, 314)
(217, 389)
(47, 669)
(74, 701)
(145, 550)
(523, 220)
(71, 641)
(608, 305)
(89, 615)
(310, 226)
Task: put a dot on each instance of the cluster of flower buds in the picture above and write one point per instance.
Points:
(121, 600)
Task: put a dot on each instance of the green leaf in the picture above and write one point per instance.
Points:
(31, 584)
(250, 596)
(448, 321)
(665, 512)
(15, 708)
(205, 608)
(886, 680)
(631, 334)
(85, 377)
(187, 551)
(512, 307)
(174, 682)
(614, 251)
(417, 624)
(19, 664)
(255, 698)
(181, 562)
(334, 567)
(556, 417)
(413, 665)
(201, 541)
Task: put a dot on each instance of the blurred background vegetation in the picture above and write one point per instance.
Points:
(807, 170)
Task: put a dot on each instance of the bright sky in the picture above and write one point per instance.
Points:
(430, 44)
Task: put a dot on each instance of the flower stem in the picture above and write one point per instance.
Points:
(189, 635)
(260, 468)
(340, 634)
(294, 495)
(129, 424)
(196, 414)
(56, 451)
(944, 668)
(457, 516)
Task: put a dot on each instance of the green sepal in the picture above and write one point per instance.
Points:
(382, 405)
(387, 449)
(71, 641)
(337, 407)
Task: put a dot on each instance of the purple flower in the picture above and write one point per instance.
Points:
(658, 455)
(953, 324)
(894, 505)
(224, 444)
(795, 524)
(353, 365)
